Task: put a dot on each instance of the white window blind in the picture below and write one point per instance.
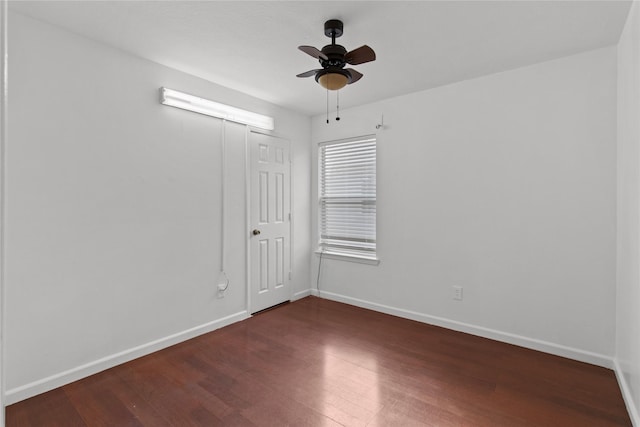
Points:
(347, 205)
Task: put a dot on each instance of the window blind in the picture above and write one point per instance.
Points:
(347, 197)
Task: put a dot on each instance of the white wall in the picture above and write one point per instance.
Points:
(504, 185)
(3, 137)
(628, 295)
(113, 208)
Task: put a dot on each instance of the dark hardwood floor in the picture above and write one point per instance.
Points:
(316, 362)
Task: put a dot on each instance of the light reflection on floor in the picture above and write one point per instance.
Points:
(351, 389)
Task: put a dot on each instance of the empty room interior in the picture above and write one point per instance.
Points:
(352, 213)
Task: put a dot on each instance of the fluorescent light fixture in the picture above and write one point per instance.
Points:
(196, 104)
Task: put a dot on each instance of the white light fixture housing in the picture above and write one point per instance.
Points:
(207, 107)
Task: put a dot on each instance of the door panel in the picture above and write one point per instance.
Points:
(270, 221)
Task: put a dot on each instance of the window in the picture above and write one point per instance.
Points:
(347, 197)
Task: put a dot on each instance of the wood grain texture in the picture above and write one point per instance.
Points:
(316, 362)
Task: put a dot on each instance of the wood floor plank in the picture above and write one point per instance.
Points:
(316, 362)
(51, 409)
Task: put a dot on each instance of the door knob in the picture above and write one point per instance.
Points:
(256, 232)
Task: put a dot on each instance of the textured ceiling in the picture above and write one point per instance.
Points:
(252, 46)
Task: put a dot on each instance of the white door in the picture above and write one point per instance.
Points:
(270, 221)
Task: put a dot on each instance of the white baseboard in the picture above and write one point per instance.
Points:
(301, 294)
(43, 385)
(626, 394)
(519, 340)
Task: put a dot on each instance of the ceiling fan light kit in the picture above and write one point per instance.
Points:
(333, 58)
(332, 80)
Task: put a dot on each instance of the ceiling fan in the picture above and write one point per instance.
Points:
(334, 58)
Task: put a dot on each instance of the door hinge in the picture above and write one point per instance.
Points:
(289, 275)
(289, 216)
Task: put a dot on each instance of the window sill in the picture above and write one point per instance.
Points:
(350, 258)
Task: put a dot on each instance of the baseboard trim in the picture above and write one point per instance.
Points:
(37, 387)
(301, 294)
(519, 340)
(626, 394)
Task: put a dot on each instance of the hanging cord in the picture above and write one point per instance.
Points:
(223, 205)
(337, 105)
(327, 106)
(318, 278)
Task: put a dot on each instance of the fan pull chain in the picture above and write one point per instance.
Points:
(337, 105)
(327, 106)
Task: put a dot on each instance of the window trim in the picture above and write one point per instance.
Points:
(345, 257)
(328, 252)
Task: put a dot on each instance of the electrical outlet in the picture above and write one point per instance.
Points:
(457, 293)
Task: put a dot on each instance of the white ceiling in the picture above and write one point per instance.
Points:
(252, 46)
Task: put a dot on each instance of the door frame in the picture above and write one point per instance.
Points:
(247, 212)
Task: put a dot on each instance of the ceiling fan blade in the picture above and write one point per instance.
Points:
(308, 73)
(355, 76)
(360, 55)
(310, 50)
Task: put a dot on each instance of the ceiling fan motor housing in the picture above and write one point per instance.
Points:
(335, 54)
